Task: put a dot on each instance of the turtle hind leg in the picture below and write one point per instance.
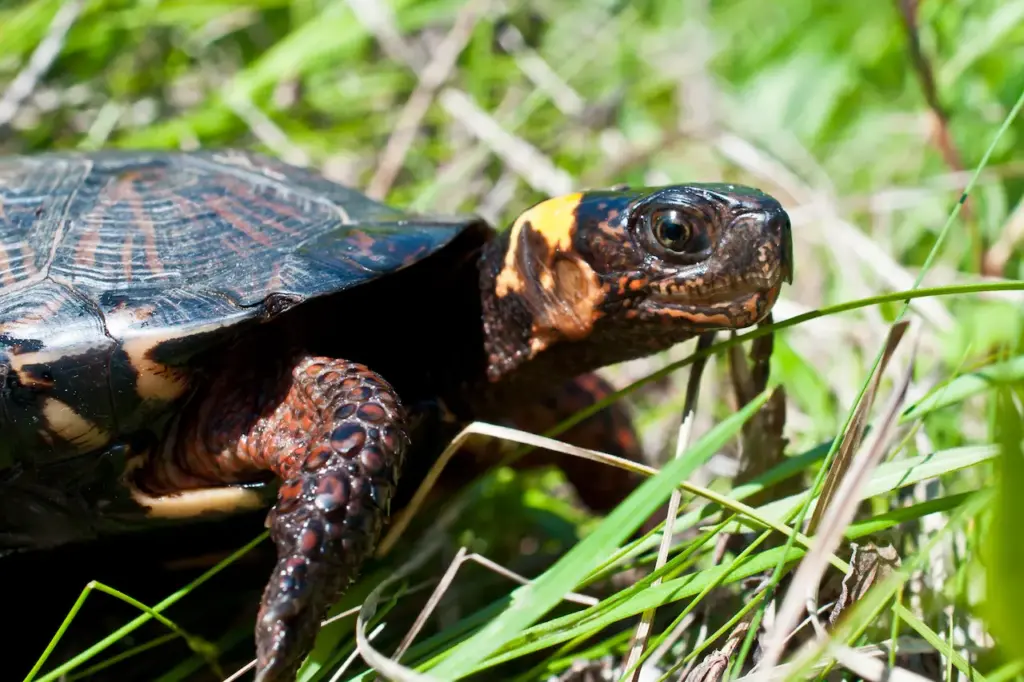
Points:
(610, 430)
(335, 433)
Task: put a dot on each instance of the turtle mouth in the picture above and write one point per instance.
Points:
(708, 289)
(738, 303)
(718, 295)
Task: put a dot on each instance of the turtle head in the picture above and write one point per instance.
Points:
(594, 278)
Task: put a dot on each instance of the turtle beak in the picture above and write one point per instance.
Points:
(780, 225)
(787, 253)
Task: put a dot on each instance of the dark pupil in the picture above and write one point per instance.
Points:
(671, 230)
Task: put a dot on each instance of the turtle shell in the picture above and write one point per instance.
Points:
(117, 267)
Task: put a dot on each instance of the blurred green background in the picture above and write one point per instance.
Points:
(866, 119)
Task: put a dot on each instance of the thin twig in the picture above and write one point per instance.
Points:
(643, 630)
(379, 19)
(431, 78)
(354, 655)
(925, 74)
(540, 73)
(461, 557)
(459, 173)
(401, 520)
(42, 59)
(539, 171)
(266, 131)
(943, 137)
(534, 167)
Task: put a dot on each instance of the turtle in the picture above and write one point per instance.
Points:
(189, 335)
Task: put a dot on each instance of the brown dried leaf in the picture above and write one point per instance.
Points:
(870, 564)
(714, 665)
(763, 444)
(855, 434)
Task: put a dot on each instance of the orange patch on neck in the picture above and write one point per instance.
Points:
(570, 303)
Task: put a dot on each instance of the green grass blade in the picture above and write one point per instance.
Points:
(532, 601)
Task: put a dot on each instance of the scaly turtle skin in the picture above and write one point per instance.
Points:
(179, 331)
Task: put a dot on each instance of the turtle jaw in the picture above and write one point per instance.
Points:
(734, 311)
(741, 303)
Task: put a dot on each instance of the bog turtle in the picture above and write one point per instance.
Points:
(181, 332)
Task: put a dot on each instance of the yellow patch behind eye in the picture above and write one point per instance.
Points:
(554, 220)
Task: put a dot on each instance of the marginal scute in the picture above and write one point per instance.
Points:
(31, 378)
(190, 504)
(72, 427)
(154, 380)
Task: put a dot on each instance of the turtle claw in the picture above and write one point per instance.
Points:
(286, 627)
(330, 510)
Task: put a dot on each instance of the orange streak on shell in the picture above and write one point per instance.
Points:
(5, 268)
(85, 253)
(123, 190)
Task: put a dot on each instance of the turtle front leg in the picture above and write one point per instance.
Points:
(331, 508)
(335, 433)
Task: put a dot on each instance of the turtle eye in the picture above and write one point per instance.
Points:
(675, 231)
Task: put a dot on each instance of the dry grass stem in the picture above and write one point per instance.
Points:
(431, 78)
(643, 631)
(840, 511)
(461, 557)
(41, 60)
